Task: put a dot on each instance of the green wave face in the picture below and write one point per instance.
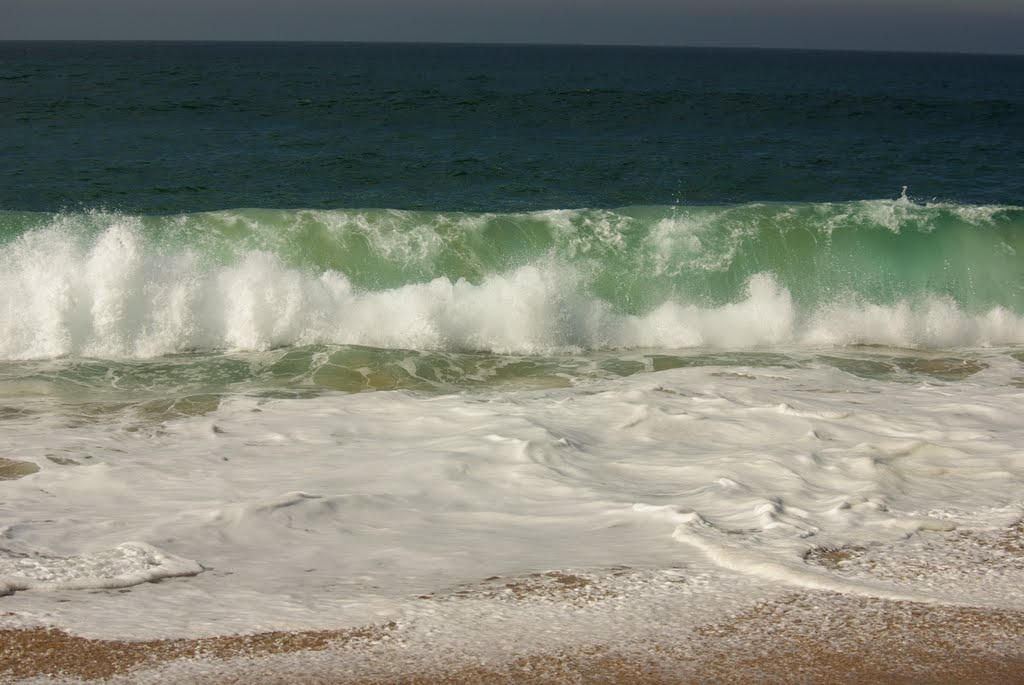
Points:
(890, 272)
(636, 258)
(633, 258)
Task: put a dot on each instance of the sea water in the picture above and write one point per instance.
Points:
(333, 335)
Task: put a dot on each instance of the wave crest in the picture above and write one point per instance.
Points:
(108, 285)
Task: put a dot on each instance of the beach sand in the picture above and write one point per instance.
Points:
(803, 638)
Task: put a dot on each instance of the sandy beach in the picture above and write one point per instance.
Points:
(805, 638)
(836, 615)
(794, 637)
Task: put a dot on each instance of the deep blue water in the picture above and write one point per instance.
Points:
(184, 127)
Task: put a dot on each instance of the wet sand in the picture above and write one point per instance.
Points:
(803, 638)
(12, 469)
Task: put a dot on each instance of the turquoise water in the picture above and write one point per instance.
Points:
(634, 258)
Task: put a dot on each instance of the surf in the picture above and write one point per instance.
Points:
(114, 285)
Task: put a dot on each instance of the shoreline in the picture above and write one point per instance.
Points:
(814, 637)
(583, 628)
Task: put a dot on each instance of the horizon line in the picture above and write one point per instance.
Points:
(293, 41)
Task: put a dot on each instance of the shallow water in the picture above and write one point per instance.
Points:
(367, 500)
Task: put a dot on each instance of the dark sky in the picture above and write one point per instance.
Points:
(932, 25)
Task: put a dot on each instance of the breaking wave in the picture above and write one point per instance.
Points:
(109, 285)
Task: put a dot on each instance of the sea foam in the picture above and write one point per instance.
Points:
(344, 509)
(127, 564)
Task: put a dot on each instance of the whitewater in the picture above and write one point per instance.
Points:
(705, 397)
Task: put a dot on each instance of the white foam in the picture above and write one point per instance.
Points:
(119, 296)
(342, 509)
(128, 564)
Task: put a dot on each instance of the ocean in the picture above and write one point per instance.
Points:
(566, 344)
